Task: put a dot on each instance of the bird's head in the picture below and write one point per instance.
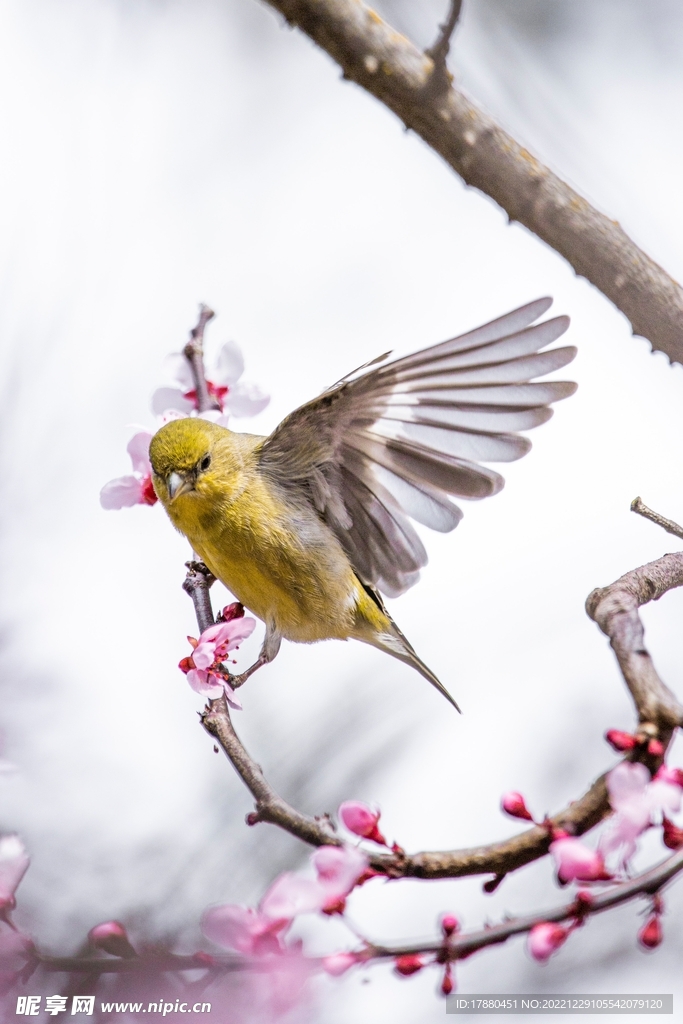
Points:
(191, 458)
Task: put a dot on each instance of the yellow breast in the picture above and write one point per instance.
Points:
(278, 558)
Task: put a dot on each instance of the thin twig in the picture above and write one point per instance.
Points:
(463, 945)
(439, 51)
(194, 353)
(373, 54)
(639, 506)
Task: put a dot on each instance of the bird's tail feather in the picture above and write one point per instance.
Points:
(396, 644)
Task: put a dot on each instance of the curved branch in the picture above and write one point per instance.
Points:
(658, 711)
(386, 64)
(615, 610)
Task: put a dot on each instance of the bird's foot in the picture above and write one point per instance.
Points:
(237, 681)
(200, 569)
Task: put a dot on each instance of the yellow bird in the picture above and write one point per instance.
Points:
(307, 526)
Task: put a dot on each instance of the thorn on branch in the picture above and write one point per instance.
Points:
(640, 508)
(439, 51)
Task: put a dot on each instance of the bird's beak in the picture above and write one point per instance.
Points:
(177, 484)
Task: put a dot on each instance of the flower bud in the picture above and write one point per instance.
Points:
(408, 964)
(576, 861)
(655, 748)
(514, 805)
(672, 834)
(620, 740)
(650, 935)
(361, 820)
(339, 963)
(232, 611)
(447, 984)
(112, 937)
(545, 938)
(450, 924)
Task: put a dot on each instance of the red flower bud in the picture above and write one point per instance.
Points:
(450, 924)
(620, 740)
(112, 937)
(672, 834)
(232, 611)
(545, 938)
(185, 664)
(447, 984)
(408, 964)
(514, 805)
(650, 935)
(655, 748)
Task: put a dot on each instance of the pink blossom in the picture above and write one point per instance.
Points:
(14, 861)
(514, 805)
(257, 932)
(242, 928)
(361, 820)
(339, 963)
(203, 666)
(637, 800)
(576, 861)
(137, 489)
(545, 938)
(112, 937)
(234, 397)
(650, 935)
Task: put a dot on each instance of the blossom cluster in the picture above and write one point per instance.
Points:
(176, 400)
(204, 668)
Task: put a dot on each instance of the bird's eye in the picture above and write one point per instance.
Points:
(205, 463)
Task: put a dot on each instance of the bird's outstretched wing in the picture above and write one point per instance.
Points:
(392, 440)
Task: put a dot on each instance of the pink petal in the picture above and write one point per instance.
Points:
(204, 654)
(290, 895)
(228, 635)
(626, 783)
(231, 697)
(138, 449)
(245, 399)
(228, 366)
(242, 928)
(14, 861)
(339, 867)
(167, 399)
(664, 796)
(574, 860)
(123, 492)
(203, 683)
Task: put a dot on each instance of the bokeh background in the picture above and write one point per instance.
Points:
(160, 153)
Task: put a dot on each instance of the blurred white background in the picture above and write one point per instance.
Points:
(165, 152)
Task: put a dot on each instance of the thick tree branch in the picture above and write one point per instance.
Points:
(386, 64)
(615, 609)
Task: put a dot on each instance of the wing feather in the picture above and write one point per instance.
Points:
(391, 441)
